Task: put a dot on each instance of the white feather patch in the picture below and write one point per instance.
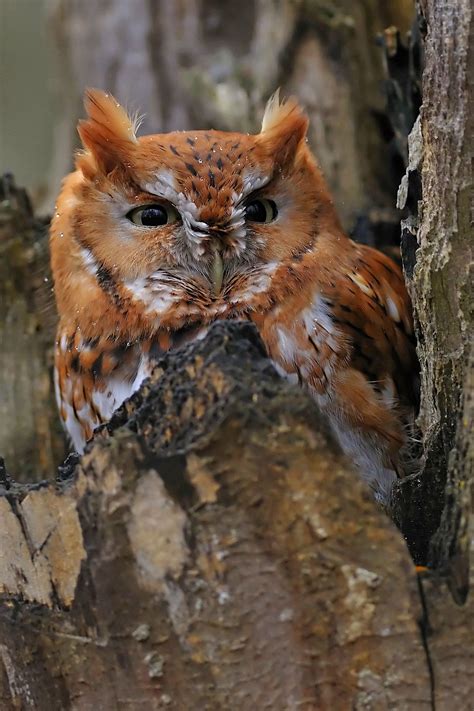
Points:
(257, 284)
(164, 186)
(367, 456)
(287, 346)
(360, 282)
(290, 377)
(105, 401)
(252, 180)
(119, 389)
(71, 422)
(321, 328)
(317, 315)
(153, 292)
(392, 309)
(89, 261)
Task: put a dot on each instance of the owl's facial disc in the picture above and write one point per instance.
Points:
(214, 230)
(159, 215)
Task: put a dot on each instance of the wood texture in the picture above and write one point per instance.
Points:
(437, 241)
(31, 439)
(277, 581)
(213, 529)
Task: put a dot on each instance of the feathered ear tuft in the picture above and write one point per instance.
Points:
(108, 132)
(284, 127)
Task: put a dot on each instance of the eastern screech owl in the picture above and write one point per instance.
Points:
(155, 237)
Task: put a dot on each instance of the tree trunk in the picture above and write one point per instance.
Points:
(440, 282)
(199, 558)
(213, 549)
(30, 434)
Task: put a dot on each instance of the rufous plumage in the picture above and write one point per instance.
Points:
(156, 237)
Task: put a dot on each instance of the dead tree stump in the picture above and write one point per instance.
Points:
(212, 549)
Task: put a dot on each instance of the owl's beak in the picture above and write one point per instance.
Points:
(217, 270)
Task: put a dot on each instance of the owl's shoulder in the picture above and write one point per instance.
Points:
(371, 306)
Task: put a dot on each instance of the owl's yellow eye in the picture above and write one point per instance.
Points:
(261, 211)
(153, 215)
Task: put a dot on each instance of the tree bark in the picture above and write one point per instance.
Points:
(213, 549)
(199, 557)
(30, 435)
(439, 275)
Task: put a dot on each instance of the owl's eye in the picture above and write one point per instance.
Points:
(153, 215)
(261, 211)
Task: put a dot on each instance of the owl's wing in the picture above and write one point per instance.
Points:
(94, 376)
(371, 307)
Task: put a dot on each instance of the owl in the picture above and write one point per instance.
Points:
(156, 237)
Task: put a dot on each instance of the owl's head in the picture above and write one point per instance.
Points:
(209, 204)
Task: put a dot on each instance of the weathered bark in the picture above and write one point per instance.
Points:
(440, 281)
(30, 436)
(215, 552)
(441, 289)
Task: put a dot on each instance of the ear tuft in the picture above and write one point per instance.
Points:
(278, 112)
(284, 127)
(106, 114)
(108, 132)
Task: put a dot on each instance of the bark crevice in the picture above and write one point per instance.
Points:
(425, 631)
